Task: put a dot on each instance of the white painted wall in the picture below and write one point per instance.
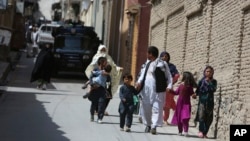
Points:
(98, 17)
(45, 7)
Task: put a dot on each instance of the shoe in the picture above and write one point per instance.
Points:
(127, 129)
(99, 121)
(44, 87)
(200, 135)
(180, 134)
(39, 86)
(185, 134)
(86, 95)
(121, 129)
(106, 113)
(140, 119)
(153, 131)
(84, 86)
(92, 118)
(205, 136)
(147, 129)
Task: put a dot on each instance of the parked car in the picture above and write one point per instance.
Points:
(44, 34)
(74, 48)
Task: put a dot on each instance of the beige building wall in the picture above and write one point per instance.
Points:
(107, 9)
(210, 32)
(107, 17)
(138, 13)
(134, 46)
(98, 18)
(86, 15)
(125, 52)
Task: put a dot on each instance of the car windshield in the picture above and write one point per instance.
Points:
(47, 28)
(72, 43)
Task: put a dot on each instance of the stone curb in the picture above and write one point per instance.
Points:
(7, 66)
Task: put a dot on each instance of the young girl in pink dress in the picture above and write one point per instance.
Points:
(182, 113)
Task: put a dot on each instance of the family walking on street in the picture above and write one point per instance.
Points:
(154, 86)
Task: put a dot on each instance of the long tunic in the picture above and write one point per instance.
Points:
(169, 101)
(115, 72)
(43, 66)
(152, 102)
(183, 107)
(205, 91)
(126, 92)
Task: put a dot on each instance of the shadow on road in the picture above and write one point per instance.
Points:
(69, 76)
(23, 118)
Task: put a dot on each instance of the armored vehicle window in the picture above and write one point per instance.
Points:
(72, 43)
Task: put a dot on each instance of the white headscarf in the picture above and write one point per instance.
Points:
(99, 54)
(100, 48)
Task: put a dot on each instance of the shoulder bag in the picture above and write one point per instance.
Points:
(144, 77)
(160, 80)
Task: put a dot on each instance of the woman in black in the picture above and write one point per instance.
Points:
(43, 67)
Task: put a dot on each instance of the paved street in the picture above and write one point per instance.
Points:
(60, 113)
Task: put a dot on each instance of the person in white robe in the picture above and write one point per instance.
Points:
(116, 72)
(152, 102)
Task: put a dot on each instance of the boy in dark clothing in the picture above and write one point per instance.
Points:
(126, 107)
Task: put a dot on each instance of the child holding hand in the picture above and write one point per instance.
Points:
(126, 106)
(182, 113)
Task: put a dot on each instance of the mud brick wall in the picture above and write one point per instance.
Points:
(197, 33)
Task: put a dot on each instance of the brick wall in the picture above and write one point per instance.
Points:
(210, 32)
